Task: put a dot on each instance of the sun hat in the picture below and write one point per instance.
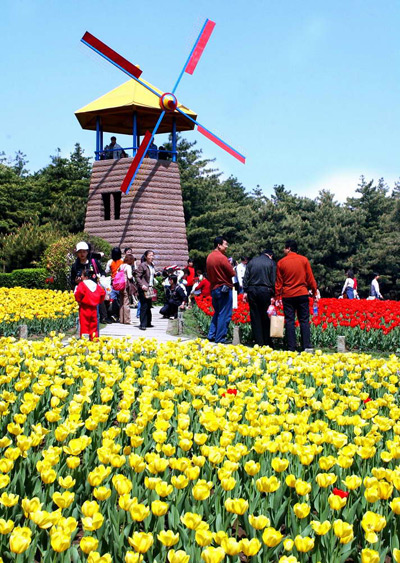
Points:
(82, 246)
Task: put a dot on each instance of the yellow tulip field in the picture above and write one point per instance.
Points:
(136, 451)
(42, 310)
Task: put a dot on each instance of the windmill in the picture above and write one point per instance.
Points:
(167, 101)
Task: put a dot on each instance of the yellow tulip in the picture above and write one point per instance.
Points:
(203, 537)
(88, 544)
(132, 557)
(271, 537)
(288, 544)
(122, 484)
(180, 481)
(73, 462)
(20, 539)
(321, 528)
(371, 494)
(231, 546)
(325, 480)
(228, 483)
(95, 557)
(6, 526)
(163, 489)
(213, 555)
(66, 482)
(168, 538)
(9, 499)
(259, 522)
(179, 556)
(301, 510)
(336, 502)
(252, 468)
(250, 547)
(236, 505)
(191, 520)
(63, 500)
(352, 482)
(94, 522)
(370, 556)
(201, 491)
(31, 505)
(159, 508)
(279, 464)
(141, 542)
(268, 484)
(302, 487)
(60, 541)
(304, 544)
(395, 505)
(396, 555)
(89, 508)
(101, 493)
(139, 512)
(343, 530)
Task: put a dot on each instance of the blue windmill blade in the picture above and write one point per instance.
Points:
(217, 140)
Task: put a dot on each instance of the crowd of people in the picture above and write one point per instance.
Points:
(107, 295)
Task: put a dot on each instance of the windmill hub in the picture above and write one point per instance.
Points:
(168, 102)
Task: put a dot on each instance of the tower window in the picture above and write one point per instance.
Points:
(106, 206)
(117, 204)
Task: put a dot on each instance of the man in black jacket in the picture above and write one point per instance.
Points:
(258, 287)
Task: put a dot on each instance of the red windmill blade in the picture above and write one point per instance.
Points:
(168, 101)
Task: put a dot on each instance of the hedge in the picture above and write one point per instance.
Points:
(31, 278)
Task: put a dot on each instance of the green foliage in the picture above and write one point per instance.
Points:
(56, 194)
(31, 278)
(60, 256)
(6, 280)
(25, 246)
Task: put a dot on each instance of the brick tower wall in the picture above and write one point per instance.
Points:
(151, 215)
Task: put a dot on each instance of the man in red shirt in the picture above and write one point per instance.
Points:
(294, 278)
(220, 274)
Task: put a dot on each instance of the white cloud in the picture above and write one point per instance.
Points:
(343, 184)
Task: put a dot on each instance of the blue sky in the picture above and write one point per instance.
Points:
(308, 91)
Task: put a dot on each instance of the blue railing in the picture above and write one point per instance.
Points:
(157, 154)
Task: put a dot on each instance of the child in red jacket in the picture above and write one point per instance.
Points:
(89, 296)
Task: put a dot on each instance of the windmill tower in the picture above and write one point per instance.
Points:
(152, 218)
(151, 215)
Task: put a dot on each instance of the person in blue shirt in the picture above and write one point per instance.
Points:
(153, 151)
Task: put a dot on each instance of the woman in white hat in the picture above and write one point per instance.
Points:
(84, 258)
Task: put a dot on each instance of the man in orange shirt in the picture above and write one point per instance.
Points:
(294, 278)
(220, 274)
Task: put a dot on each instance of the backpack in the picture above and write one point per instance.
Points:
(119, 281)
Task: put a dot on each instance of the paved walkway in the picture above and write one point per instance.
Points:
(159, 331)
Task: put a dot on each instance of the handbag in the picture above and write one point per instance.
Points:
(119, 281)
(276, 327)
(150, 292)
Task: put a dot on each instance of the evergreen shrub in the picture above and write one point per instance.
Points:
(31, 278)
(59, 257)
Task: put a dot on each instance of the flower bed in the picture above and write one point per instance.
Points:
(194, 452)
(367, 325)
(42, 310)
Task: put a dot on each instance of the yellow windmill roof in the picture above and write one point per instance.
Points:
(117, 106)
